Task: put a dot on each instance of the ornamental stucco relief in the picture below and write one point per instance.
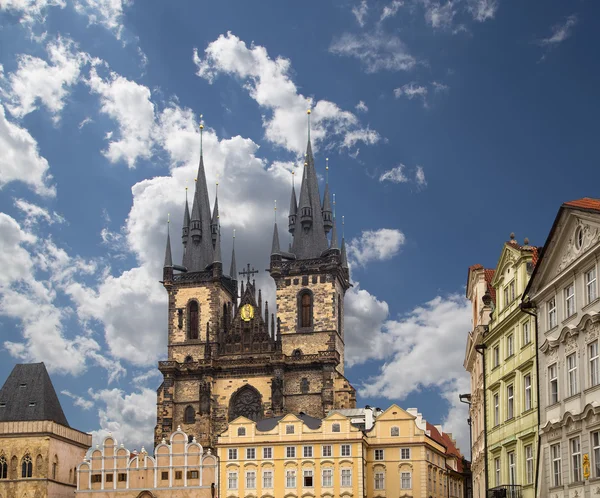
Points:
(592, 331)
(570, 344)
(590, 235)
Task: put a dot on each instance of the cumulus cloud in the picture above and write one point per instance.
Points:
(30, 11)
(79, 401)
(49, 83)
(360, 12)
(361, 107)
(20, 159)
(376, 51)
(410, 91)
(482, 10)
(439, 15)
(34, 214)
(394, 175)
(439, 87)
(130, 105)
(560, 32)
(107, 13)
(375, 245)
(268, 82)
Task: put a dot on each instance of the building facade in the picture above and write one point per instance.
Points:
(39, 451)
(482, 296)
(180, 468)
(564, 292)
(511, 377)
(227, 355)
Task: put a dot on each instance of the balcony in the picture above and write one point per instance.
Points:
(505, 491)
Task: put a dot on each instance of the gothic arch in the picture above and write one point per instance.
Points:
(193, 320)
(305, 309)
(246, 402)
(189, 416)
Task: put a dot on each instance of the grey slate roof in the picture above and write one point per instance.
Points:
(275, 246)
(217, 251)
(334, 237)
(28, 394)
(344, 257)
(168, 258)
(311, 243)
(233, 267)
(267, 424)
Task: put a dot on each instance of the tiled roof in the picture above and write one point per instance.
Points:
(267, 424)
(475, 267)
(585, 203)
(28, 394)
(445, 440)
(489, 276)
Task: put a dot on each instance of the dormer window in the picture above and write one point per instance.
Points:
(241, 431)
(335, 428)
(289, 429)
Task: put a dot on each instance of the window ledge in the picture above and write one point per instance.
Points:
(569, 318)
(573, 396)
(590, 304)
(575, 484)
(509, 357)
(592, 388)
(527, 344)
(305, 330)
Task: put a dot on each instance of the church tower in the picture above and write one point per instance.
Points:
(227, 356)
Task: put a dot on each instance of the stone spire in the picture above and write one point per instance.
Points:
(275, 245)
(233, 267)
(185, 231)
(199, 253)
(217, 252)
(344, 257)
(293, 208)
(334, 238)
(214, 224)
(168, 258)
(326, 209)
(311, 241)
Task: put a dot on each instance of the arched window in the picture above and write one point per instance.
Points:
(193, 320)
(190, 415)
(339, 317)
(55, 467)
(241, 431)
(305, 309)
(246, 402)
(297, 354)
(304, 385)
(3, 468)
(188, 359)
(26, 466)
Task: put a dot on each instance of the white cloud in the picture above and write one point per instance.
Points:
(361, 107)
(129, 417)
(376, 51)
(438, 15)
(107, 13)
(439, 87)
(34, 213)
(394, 175)
(30, 11)
(360, 12)
(366, 135)
(411, 91)
(83, 403)
(375, 245)
(20, 159)
(423, 349)
(49, 83)
(482, 10)
(84, 122)
(420, 177)
(560, 32)
(391, 10)
(268, 82)
(130, 105)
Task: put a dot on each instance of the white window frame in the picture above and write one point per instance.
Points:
(379, 480)
(497, 469)
(512, 290)
(553, 395)
(496, 355)
(290, 479)
(593, 363)
(526, 333)
(308, 473)
(250, 479)
(250, 453)
(591, 289)
(346, 478)
(496, 399)
(551, 313)
(308, 451)
(267, 479)
(512, 468)
(326, 450)
(290, 452)
(595, 444)
(510, 345)
(404, 477)
(378, 454)
(569, 300)
(528, 392)
(510, 401)
(345, 450)
(232, 454)
(529, 463)
(327, 477)
(575, 449)
(556, 457)
(268, 453)
(571, 362)
(404, 453)
(232, 480)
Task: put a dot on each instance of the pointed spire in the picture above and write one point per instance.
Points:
(185, 230)
(334, 238)
(168, 258)
(293, 206)
(233, 267)
(344, 257)
(275, 245)
(214, 224)
(260, 300)
(217, 251)
(327, 214)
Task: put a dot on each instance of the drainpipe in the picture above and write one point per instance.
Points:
(526, 307)
(480, 348)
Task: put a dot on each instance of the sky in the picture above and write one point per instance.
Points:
(447, 126)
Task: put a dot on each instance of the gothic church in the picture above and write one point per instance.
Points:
(227, 356)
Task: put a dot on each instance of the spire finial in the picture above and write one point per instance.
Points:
(234, 234)
(275, 210)
(201, 128)
(334, 205)
(342, 227)
(308, 119)
(326, 170)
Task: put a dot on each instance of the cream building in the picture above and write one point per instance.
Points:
(482, 295)
(511, 377)
(39, 451)
(179, 469)
(564, 292)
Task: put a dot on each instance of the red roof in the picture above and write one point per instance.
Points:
(445, 440)
(475, 267)
(585, 203)
(489, 276)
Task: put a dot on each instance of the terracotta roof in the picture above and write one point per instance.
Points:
(489, 276)
(475, 267)
(445, 440)
(585, 203)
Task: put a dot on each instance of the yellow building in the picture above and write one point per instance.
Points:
(179, 469)
(511, 376)
(291, 456)
(38, 450)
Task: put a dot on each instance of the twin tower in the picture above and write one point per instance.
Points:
(227, 356)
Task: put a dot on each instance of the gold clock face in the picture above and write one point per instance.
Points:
(247, 312)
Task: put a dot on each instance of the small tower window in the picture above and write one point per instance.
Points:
(190, 415)
(193, 320)
(3, 468)
(27, 467)
(306, 308)
(304, 385)
(335, 427)
(188, 359)
(241, 431)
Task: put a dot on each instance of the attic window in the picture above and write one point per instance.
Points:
(32, 403)
(2, 404)
(579, 237)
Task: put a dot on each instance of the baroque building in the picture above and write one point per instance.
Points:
(511, 377)
(482, 296)
(563, 290)
(228, 356)
(39, 451)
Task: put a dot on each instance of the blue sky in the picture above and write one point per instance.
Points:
(447, 126)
